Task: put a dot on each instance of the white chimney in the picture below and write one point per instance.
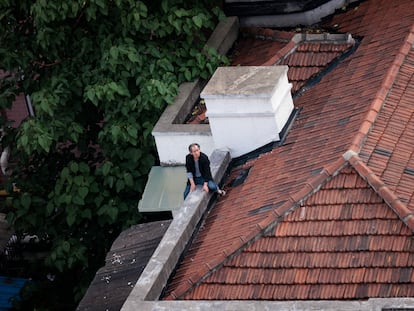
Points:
(247, 106)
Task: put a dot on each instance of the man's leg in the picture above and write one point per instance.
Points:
(197, 181)
(212, 186)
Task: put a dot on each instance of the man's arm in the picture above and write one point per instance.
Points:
(190, 174)
(205, 171)
(192, 183)
(205, 168)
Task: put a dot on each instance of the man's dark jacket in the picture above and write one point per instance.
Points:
(203, 163)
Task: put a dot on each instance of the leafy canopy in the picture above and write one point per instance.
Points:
(99, 73)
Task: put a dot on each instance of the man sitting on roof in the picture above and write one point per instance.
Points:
(199, 172)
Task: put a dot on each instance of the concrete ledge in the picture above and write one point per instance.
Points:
(334, 38)
(374, 304)
(172, 120)
(165, 258)
(224, 35)
(304, 37)
(171, 135)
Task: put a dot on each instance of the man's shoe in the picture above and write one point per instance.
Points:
(221, 192)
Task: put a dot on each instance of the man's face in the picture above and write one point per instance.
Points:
(195, 151)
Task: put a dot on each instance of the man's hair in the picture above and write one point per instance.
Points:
(192, 145)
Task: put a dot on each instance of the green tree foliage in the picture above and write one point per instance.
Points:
(99, 74)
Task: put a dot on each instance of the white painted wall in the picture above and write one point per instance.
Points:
(247, 106)
(173, 148)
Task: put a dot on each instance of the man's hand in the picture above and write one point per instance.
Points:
(192, 184)
(205, 187)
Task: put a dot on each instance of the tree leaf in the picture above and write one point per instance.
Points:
(129, 181)
(78, 180)
(87, 214)
(26, 200)
(74, 167)
(164, 6)
(49, 208)
(24, 139)
(84, 168)
(132, 131)
(114, 52)
(120, 185)
(78, 200)
(133, 57)
(68, 199)
(65, 246)
(187, 75)
(110, 180)
(83, 192)
(112, 213)
(65, 173)
(70, 219)
(106, 168)
(44, 142)
(198, 21)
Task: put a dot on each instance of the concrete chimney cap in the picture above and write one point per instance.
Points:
(244, 81)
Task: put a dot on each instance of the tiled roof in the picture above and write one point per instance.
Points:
(344, 242)
(389, 147)
(306, 59)
(124, 264)
(330, 213)
(310, 59)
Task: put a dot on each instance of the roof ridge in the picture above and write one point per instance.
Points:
(288, 49)
(299, 38)
(382, 93)
(277, 214)
(376, 183)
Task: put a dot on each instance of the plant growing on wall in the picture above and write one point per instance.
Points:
(99, 73)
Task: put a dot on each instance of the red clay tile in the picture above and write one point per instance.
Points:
(410, 221)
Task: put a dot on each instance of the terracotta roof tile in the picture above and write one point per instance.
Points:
(329, 214)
